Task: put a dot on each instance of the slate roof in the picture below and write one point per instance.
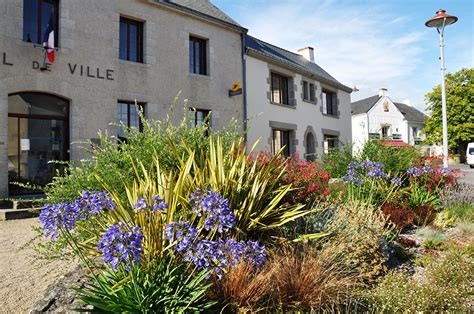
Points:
(291, 59)
(410, 113)
(203, 7)
(364, 105)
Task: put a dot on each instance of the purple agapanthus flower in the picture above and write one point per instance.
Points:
(397, 181)
(157, 204)
(65, 215)
(215, 208)
(215, 256)
(121, 244)
(182, 232)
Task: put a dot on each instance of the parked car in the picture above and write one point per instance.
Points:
(470, 155)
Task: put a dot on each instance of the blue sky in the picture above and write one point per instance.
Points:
(369, 44)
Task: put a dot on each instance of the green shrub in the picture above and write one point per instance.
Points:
(111, 160)
(396, 160)
(336, 161)
(447, 286)
(161, 288)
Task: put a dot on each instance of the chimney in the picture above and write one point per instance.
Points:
(383, 92)
(307, 52)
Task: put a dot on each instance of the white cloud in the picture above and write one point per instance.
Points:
(355, 44)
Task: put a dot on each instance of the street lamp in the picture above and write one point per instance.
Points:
(440, 21)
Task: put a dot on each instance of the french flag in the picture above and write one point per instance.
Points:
(48, 39)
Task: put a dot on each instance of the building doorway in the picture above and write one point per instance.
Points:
(38, 133)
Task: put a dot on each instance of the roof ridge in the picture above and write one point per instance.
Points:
(275, 46)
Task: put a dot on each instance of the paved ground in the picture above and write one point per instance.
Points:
(23, 282)
(467, 175)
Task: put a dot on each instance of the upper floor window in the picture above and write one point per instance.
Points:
(308, 92)
(281, 140)
(131, 40)
(279, 89)
(36, 16)
(329, 103)
(127, 114)
(197, 55)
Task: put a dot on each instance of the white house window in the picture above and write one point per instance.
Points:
(281, 139)
(414, 132)
(330, 142)
(329, 103)
(279, 89)
(308, 92)
(385, 131)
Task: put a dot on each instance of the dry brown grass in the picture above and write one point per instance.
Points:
(292, 279)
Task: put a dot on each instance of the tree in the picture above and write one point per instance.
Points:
(460, 111)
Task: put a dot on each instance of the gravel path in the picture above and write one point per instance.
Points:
(23, 282)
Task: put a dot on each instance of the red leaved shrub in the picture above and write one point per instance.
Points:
(310, 182)
(399, 214)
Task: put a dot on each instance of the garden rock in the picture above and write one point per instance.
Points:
(60, 296)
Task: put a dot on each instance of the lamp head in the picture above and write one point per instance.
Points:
(441, 19)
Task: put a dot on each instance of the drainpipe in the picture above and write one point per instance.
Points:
(244, 84)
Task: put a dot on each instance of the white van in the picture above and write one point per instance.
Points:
(470, 154)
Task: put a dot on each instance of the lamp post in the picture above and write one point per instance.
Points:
(440, 21)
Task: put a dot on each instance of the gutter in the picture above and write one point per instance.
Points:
(244, 83)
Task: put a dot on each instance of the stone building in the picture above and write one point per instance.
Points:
(293, 103)
(110, 53)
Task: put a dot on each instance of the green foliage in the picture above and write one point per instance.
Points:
(111, 161)
(336, 161)
(447, 286)
(460, 109)
(161, 288)
(432, 239)
(454, 213)
(250, 185)
(396, 160)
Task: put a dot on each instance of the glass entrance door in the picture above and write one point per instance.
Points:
(34, 142)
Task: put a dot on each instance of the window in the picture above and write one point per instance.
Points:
(279, 89)
(310, 147)
(131, 40)
(281, 139)
(385, 130)
(36, 16)
(329, 103)
(128, 115)
(414, 132)
(197, 55)
(199, 117)
(330, 142)
(386, 107)
(308, 92)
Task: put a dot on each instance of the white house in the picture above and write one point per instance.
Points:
(292, 103)
(379, 117)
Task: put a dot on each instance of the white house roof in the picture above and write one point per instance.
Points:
(410, 113)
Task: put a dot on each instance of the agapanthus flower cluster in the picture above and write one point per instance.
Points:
(65, 215)
(358, 172)
(121, 244)
(419, 171)
(397, 181)
(213, 256)
(215, 208)
(157, 204)
(182, 232)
